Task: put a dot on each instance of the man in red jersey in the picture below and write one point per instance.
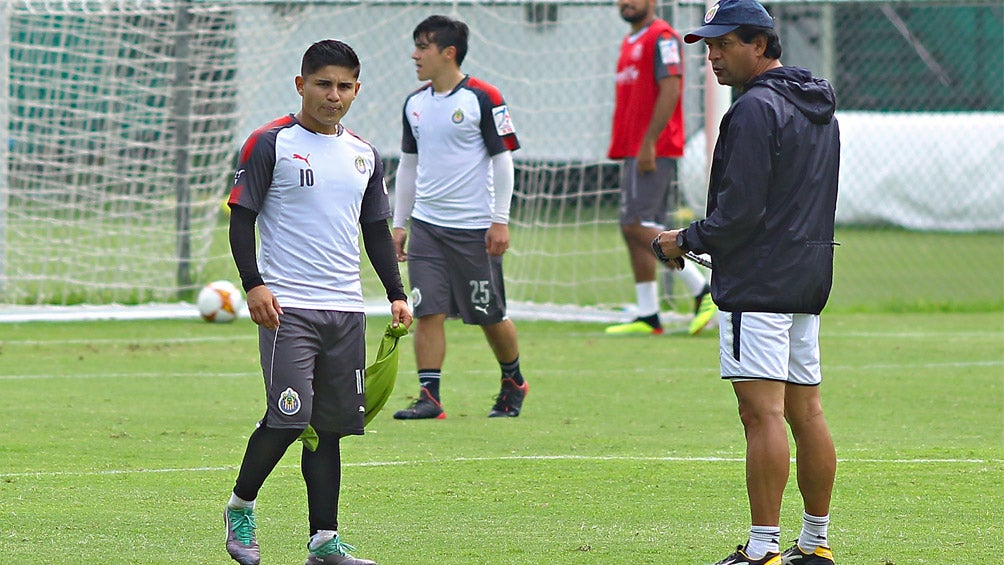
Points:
(647, 134)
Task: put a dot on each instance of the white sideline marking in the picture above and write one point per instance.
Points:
(255, 374)
(184, 310)
(489, 459)
(249, 336)
(709, 369)
(253, 336)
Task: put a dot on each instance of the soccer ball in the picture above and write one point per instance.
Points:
(219, 302)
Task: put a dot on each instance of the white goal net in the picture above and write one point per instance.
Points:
(125, 116)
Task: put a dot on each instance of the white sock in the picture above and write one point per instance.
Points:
(763, 540)
(238, 503)
(814, 530)
(693, 278)
(648, 298)
(320, 538)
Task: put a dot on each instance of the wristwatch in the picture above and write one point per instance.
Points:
(681, 240)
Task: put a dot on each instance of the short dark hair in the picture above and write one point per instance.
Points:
(748, 33)
(444, 32)
(329, 52)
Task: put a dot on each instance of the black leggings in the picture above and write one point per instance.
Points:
(321, 469)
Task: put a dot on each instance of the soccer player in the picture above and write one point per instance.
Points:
(647, 134)
(771, 205)
(455, 183)
(312, 187)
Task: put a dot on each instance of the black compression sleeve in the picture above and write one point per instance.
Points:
(380, 250)
(242, 246)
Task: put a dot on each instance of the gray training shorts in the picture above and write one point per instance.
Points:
(451, 273)
(314, 369)
(645, 197)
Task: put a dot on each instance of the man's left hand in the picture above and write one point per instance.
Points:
(666, 242)
(400, 314)
(497, 239)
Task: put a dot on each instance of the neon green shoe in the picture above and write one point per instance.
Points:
(636, 327)
(704, 313)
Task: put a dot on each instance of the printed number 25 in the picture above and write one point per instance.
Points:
(479, 292)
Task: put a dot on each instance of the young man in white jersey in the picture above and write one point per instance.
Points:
(454, 183)
(312, 187)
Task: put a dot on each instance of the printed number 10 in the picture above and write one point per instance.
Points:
(306, 177)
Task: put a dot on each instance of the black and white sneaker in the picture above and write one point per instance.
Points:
(425, 407)
(796, 556)
(740, 558)
(510, 399)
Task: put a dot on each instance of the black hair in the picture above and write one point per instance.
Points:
(329, 52)
(748, 33)
(444, 32)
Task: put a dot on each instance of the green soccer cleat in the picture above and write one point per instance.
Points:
(636, 327)
(796, 556)
(241, 543)
(704, 313)
(334, 552)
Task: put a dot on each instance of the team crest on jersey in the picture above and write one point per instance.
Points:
(503, 123)
(458, 116)
(360, 164)
(711, 14)
(289, 402)
(636, 51)
(416, 297)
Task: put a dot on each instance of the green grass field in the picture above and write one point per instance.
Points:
(121, 441)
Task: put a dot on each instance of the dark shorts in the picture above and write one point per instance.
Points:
(451, 273)
(645, 197)
(314, 366)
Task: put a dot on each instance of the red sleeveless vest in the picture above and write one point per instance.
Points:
(636, 92)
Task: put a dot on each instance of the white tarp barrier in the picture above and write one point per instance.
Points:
(921, 171)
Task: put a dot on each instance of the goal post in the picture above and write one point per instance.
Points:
(4, 135)
(125, 116)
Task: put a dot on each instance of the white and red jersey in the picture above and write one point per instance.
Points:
(455, 135)
(311, 191)
(646, 56)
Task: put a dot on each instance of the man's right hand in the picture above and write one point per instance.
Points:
(400, 236)
(263, 307)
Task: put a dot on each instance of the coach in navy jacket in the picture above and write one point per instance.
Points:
(772, 197)
(769, 230)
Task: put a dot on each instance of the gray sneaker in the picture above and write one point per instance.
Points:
(335, 552)
(241, 543)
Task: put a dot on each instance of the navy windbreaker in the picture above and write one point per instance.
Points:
(772, 197)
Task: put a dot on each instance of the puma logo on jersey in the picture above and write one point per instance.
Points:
(482, 309)
(302, 158)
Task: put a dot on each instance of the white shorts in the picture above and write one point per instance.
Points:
(777, 347)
